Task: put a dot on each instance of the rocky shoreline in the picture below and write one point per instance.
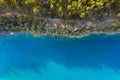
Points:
(57, 27)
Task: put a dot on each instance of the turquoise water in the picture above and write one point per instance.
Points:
(25, 57)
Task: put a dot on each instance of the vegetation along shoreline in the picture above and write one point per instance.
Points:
(57, 27)
(64, 18)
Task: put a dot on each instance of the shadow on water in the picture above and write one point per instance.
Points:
(28, 52)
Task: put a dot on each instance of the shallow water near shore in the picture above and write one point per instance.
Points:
(26, 57)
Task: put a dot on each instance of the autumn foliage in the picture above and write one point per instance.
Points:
(63, 8)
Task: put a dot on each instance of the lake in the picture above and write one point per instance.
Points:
(26, 57)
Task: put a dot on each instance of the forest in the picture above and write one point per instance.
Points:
(65, 9)
(60, 17)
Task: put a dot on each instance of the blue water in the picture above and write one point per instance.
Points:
(26, 57)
